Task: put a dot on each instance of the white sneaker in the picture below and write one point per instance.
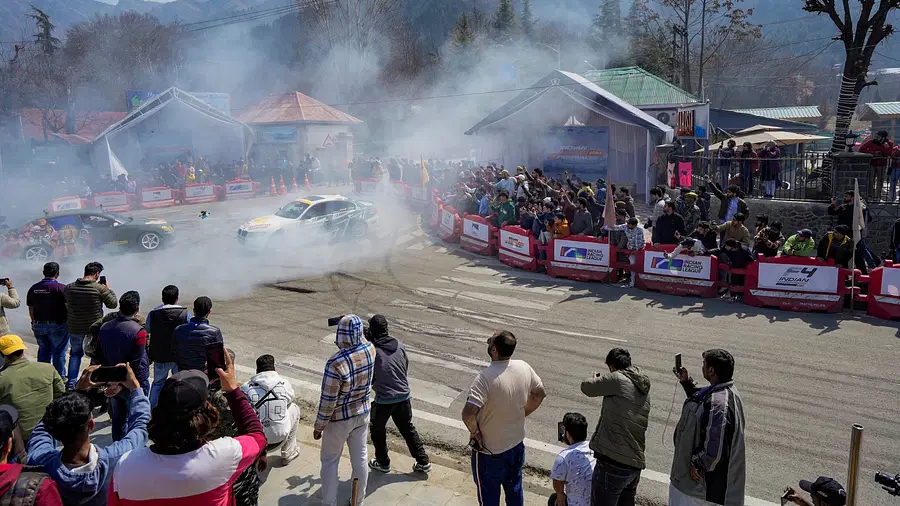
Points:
(290, 458)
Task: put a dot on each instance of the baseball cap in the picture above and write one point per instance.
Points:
(183, 393)
(9, 417)
(806, 233)
(11, 343)
(827, 490)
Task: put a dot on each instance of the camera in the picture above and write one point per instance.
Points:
(889, 483)
(4, 281)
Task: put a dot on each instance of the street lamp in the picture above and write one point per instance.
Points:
(558, 54)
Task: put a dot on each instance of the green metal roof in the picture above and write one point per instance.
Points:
(639, 87)
(801, 112)
(874, 109)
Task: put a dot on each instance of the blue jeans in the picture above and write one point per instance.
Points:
(613, 485)
(76, 353)
(161, 371)
(118, 414)
(53, 341)
(492, 472)
(895, 177)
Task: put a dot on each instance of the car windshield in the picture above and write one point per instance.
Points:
(292, 211)
(121, 217)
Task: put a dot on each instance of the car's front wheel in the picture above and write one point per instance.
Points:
(359, 229)
(37, 253)
(149, 241)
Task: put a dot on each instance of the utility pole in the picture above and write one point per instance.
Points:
(702, 47)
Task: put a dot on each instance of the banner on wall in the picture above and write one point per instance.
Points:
(578, 149)
(799, 278)
(655, 262)
(277, 135)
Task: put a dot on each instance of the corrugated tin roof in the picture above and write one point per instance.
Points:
(639, 87)
(293, 107)
(874, 109)
(799, 112)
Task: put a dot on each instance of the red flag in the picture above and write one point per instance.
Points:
(609, 211)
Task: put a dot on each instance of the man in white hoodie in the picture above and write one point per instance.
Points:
(272, 397)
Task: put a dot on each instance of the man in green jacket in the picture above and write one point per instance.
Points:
(85, 298)
(799, 245)
(27, 386)
(619, 441)
(506, 211)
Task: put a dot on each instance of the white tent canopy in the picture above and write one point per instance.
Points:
(164, 127)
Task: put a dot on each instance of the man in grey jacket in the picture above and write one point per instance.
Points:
(619, 441)
(8, 300)
(708, 466)
(392, 398)
(582, 223)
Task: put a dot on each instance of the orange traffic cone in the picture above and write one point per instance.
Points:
(272, 189)
(306, 181)
(294, 188)
(281, 188)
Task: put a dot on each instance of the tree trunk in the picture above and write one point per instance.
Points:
(846, 106)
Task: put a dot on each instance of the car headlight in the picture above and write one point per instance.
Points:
(167, 228)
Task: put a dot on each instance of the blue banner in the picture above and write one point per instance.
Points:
(582, 150)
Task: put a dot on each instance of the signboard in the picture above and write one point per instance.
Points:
(447, 220)
(219, 101)
(156, 195)
(111, 200)
(890, 282)
(199, 191)
(328, 142)
(277, 135)
(655, 262)
(581, 252)
(692, 122)
(235, 187)
(514, 242)
(798, 278)
(476, 230)
(65, 204)
(581, 149)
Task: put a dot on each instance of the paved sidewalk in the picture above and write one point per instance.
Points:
(299, 482)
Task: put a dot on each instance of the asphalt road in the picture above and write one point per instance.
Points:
(804, 378)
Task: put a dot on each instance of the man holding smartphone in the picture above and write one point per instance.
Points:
(85, 298)
(8, 300)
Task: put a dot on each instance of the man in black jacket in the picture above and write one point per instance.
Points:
(865, 257)
(163, 320)
(392, 398)
(192, 337)
(669, 227)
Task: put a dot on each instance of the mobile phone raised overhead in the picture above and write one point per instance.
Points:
(215, 358)
(678, 361)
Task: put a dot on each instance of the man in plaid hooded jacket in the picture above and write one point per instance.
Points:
(344, 407)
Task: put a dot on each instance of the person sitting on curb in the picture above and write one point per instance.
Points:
(823, 492)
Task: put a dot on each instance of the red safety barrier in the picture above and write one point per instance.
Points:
(418, 194)
(884, 291)
(434, 220)
(199, 193)
(580, 257)
(112, 201)
(161, 196)
(401, 189)
(67, 203)
(518, 248)
(239, 189)
(367, 185)
(682, 275)
(478, 236)
(796, 284)
(450, 224)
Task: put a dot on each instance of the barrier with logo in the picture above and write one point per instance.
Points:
(418, 194)
(434, 219)
(478, 236)
(160, 196)
(199, 193)
(795, 284)
(518, 248)
(66, 204)
(367, 185)
(112, 201)
(681, 275)
(450, 224)
(883, 298)
(239, 189)
(579, 257)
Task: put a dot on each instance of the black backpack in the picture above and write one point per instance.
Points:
(24, 491)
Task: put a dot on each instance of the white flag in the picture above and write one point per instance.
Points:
(115, 166)
(859, 221)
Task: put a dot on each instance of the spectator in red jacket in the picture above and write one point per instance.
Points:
(880, 148)
(16, 484)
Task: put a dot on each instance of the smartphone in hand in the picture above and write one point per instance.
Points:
(109, 374)
(215, 358)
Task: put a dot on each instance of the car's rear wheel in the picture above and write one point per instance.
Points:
(358, 229)
(37, 253)
(149, 241)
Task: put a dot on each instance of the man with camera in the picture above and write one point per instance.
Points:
(709, 461)
(619, 441)
(8, 300)
(46, 302)
(574, 466)
(85, 298)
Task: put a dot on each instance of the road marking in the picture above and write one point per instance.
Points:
(579, 334)
(547, 290)
(418, 246)
(484, 297)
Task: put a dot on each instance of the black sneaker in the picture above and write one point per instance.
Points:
(374, 465)
(422, 468)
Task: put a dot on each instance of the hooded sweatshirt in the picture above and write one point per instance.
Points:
(348, 375)
(279, 395)
(621, 430)
(390, 382)
(46, 493)
(88, 484)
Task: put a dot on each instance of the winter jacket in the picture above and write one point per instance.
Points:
(629, 205)
(506, 213)
(190, 343)
(582, 224)
(830, 248)
(348, 375)
(9, 300)
(665, 227)
(89, 487)
(277, 395)
(881, 153)
(710, 437)
(15, 482)
(739, 258)
(763, 240)
(770, 163)
(844, 213)
(125, 340)
(704, 203)
(739, 233)
(390, 381)
(84, 302)
(624, 416)
(723, 202)
(164, 320)
(691, 217)
(794, 246)
(710, 240)
(29, 387)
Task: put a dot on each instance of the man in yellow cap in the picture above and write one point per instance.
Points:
(27, 386)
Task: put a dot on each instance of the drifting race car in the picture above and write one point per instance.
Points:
(315, 218)
(70, 233)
